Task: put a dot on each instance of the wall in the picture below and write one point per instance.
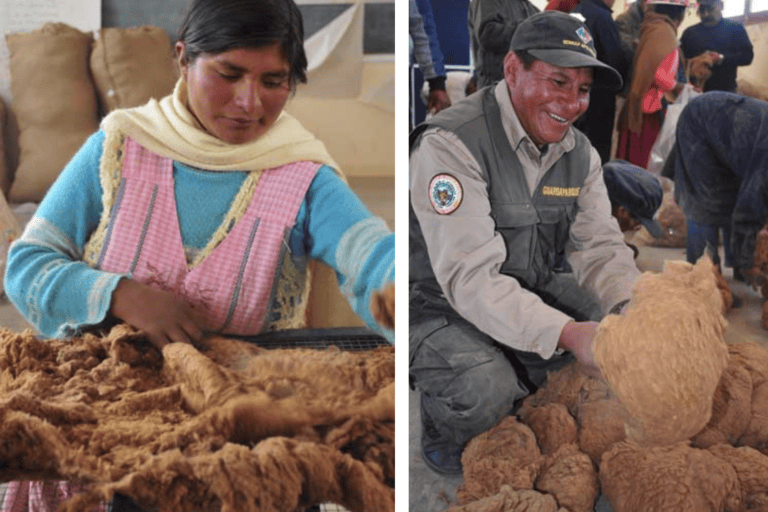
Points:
(757, 72)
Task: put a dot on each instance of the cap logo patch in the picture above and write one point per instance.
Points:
(583, 35)
(445, 193)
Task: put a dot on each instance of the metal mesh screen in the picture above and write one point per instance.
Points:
(345, 338)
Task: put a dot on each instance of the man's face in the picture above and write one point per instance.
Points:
(626, 221)
(711, 12)
(547, 99)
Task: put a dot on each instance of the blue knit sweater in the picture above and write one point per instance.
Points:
(59, 294)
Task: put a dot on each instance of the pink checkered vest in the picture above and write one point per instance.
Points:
(236, 282)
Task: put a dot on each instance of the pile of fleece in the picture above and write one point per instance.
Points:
(699, 443)
(228, 427)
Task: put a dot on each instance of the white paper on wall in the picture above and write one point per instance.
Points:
(335, 57)
(336, 60)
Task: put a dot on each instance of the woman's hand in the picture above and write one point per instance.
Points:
(576, 338)
(160, 314)
(383, 306)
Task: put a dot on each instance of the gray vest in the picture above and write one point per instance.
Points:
(535, 227)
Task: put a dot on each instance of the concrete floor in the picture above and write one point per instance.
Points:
(431, 492)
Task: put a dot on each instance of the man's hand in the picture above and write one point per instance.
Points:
(383, 306)
(437, 101)
(717, 58)
(576, 338)
(161, 315)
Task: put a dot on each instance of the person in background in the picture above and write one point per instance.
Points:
(561, 5)
(628, 24)
(655, 72)
(491, 25)
(726, 41)
(635, 196)
(597, 121)
(198, 213)
(426, 52)
(718, 164)
(502, 188)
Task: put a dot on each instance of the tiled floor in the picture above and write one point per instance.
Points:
(431, 492)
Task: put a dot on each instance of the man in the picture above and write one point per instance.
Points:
(719, 164)
(635, 196)
(426, 51)
(501, 190)
(725, 40)
(491, 25)
(597, 121)
(628, 24)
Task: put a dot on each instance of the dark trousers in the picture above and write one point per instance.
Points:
(468, 380)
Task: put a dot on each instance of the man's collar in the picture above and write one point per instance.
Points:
(713, 24)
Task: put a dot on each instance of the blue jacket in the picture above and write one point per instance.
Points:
(426, 47)
(602, 103)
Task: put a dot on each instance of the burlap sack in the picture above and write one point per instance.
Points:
(54, 101)
(132, 65)
(5, 174)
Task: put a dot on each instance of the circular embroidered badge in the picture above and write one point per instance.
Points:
(445, 193)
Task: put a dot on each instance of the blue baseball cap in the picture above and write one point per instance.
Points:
(635, 189)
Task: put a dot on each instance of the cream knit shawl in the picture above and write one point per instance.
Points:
(169, 129)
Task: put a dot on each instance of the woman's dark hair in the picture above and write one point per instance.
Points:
(215, 26)
(676, 12)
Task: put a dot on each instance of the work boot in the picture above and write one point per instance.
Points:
(439, 452)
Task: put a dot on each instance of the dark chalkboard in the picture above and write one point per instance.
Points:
(379, 28)
(378, 31)
(166, 14)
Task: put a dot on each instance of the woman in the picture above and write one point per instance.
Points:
(656, 65)
(198, 213)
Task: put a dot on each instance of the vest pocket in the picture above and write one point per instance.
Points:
(516, 224)
(557, 222)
